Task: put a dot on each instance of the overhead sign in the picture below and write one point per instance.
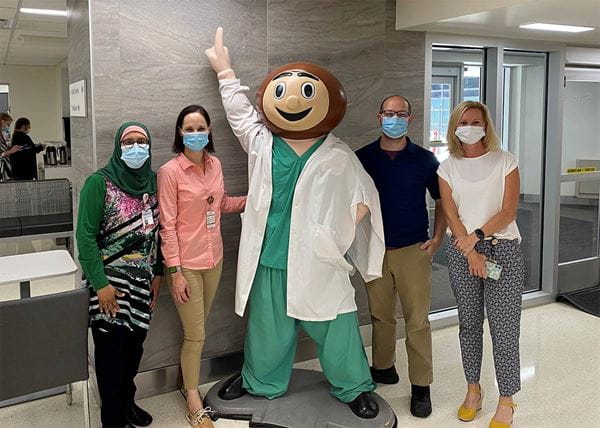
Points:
(77, 99)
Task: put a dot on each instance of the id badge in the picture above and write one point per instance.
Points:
(211, 219)
(493, 269)
(147, 219)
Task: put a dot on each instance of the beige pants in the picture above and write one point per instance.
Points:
(193, 315)
(406, 271)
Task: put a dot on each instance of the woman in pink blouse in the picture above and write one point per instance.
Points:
(192, 197)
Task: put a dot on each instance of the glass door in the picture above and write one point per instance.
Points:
(443, 100)
(579, 251)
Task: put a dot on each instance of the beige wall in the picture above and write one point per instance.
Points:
(35, 94)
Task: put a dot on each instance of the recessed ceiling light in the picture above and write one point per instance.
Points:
(52, 12)
(556, 27)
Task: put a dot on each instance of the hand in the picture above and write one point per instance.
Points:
(361, 211)
(107, 300)
(218, 56)
(155, 289)
(180, 289)
(13, 149)
(431, 246)
(466, 244)
(477, 264)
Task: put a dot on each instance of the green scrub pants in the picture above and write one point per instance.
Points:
(270, 345)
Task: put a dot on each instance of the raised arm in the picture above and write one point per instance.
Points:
(241, 114)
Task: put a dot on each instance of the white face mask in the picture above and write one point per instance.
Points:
(470, 134)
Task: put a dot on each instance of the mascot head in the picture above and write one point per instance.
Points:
(301, 100)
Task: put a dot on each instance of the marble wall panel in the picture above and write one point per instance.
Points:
(82, 145)
(347, 38)
(405, 68)
(105, 30)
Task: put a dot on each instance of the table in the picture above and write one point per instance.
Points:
(24, 268)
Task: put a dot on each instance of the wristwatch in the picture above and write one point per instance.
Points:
(480, 235)
(174, 269)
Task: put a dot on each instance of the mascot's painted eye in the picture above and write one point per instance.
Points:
(308, 90)
(279, 91)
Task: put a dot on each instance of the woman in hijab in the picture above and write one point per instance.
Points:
(117, 239)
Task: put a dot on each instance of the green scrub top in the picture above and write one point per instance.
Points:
(286, 169)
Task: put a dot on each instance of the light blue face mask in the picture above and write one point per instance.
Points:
(195, 141)
(394, 127)
(135, 156)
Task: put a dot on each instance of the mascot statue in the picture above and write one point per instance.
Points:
(312, 215)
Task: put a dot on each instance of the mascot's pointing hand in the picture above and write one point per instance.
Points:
(218, 56)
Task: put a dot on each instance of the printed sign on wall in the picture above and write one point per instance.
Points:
(77, 99)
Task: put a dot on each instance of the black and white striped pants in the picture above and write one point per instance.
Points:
(502, 302)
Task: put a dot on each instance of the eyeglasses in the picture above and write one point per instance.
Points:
(392, 113)
(129, 143)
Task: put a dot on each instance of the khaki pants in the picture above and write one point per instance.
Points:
(406, 271)
(193, 315)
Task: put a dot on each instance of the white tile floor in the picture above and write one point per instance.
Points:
(560, 349)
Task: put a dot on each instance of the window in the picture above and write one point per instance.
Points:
(523, 134)
(456, 76)
(441, 107)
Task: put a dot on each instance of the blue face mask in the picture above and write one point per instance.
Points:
(135, 156)
(394, 127)
(195, 141)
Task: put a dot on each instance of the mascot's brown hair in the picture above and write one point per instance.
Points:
(300, 101)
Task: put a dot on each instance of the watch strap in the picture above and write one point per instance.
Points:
(480, 234)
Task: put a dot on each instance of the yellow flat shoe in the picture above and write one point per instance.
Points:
(467, 414)
(495, 424)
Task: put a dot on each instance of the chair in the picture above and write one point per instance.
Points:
(44, 344)
(36, 209)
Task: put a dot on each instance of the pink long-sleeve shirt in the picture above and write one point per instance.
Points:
(185, 195)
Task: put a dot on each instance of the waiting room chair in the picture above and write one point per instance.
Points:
(44, 344)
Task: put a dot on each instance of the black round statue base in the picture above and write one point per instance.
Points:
(307, 404)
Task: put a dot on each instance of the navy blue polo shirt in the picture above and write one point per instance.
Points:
(401, 183)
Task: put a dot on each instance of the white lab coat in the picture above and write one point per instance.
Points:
(322, 228)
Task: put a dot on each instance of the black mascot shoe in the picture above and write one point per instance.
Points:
(139, 417)
(420, 401)
(364, 406)
(387, 376)
(232, 388)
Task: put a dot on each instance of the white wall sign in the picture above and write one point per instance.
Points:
(77, 99)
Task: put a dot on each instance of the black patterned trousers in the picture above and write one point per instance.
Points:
(502, 302)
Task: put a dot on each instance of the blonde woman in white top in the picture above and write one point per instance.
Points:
(479, 185)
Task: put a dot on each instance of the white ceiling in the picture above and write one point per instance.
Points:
(501, 18)
(33, 39)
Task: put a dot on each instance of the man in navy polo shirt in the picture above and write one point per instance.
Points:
(402, 172)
